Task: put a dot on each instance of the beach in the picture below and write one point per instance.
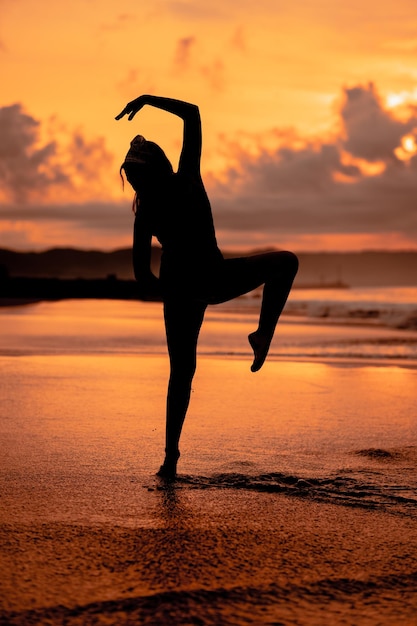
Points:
(296, 501)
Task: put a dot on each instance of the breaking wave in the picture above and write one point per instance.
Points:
(391, 307)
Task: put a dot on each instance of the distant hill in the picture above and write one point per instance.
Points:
(69, 263)
(316, 269)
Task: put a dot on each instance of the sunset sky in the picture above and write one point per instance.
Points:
(309, 111)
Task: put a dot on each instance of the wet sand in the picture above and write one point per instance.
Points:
(215, 558)
(295, 502)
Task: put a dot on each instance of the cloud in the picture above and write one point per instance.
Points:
(324, 186)
(183, 53)
(56, 191)
(355, 187)
(372, 133)
(34, 170)
(89, 214)
(93, 225)
(25, 167)
(87, 163)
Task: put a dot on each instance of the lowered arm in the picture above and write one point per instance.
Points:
(148, 285)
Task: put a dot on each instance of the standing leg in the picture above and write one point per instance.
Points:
(183, 319)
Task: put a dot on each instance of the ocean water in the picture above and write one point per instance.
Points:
(367, 323)
(296, 501)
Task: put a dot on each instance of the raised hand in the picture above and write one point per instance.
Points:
(132, 108)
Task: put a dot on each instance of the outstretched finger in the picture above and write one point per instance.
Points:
(122, 114)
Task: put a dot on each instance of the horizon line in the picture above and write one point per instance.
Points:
(231, 250)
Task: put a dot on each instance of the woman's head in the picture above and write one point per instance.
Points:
(145, 165)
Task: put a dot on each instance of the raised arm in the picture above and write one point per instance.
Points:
(191, 148)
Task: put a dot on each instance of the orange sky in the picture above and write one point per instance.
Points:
(309, 115)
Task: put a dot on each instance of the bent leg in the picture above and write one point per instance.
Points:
(183, 319)
(276, 270)
(276, 290)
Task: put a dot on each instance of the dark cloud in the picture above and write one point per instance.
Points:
(287, 170)
(318, 188)
(351, 183)
(372, 133)
(31, 168)
(93, 225)
(101, 216)
(51, 192)
(25, 166)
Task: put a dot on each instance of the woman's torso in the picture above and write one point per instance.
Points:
(182, 221)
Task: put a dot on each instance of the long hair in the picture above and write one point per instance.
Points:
(136, 200)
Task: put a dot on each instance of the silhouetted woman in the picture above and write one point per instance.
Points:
(175, 208)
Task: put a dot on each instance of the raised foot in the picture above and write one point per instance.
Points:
(260, 346)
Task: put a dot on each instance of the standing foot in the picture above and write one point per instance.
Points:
(168, 469)
(260, 346)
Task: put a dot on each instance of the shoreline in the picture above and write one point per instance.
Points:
(103, 326)
(21, 290)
